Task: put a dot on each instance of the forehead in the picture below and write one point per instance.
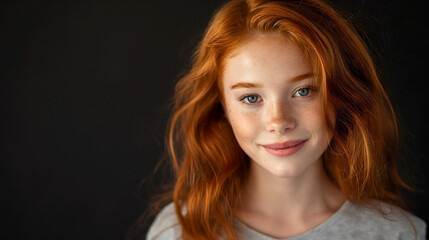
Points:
(265, 56)
(266, 40)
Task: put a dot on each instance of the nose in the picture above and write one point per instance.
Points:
(280, 118)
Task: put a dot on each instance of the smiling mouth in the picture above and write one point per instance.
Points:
(284, 149)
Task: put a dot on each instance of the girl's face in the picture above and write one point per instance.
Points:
(274, 112)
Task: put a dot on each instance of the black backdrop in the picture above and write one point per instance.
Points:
(84, 87)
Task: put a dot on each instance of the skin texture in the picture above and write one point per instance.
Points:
(284, 110)
(268, 98)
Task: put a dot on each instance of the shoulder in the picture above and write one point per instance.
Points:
(166, 225)
(395, 223)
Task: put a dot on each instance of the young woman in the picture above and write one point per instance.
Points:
(282, 130)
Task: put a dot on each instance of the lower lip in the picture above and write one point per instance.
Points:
(284, 152)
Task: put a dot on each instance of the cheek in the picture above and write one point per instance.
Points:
(312, 118)
(315, 121)
(244, 125)
(312, 115)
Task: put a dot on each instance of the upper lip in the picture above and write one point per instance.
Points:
(286, 144)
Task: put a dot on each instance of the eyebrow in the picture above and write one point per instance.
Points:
(258, 85)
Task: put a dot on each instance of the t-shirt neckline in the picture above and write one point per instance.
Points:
(243, 229)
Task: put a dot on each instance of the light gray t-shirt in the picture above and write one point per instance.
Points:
(351, 221)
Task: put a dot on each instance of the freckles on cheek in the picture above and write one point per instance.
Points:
(313, 112)
(243, 124)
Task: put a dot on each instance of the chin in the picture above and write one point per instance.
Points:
(292, 168)
(287, 172)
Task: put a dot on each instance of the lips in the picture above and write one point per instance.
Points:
(285, 148)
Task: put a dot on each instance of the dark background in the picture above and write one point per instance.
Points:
(84, 88)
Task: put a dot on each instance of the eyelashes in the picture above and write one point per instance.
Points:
(304, 91)
(250, 99)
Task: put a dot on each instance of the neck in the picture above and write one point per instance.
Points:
(285, 198)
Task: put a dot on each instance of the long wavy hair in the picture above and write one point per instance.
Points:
(210, 166)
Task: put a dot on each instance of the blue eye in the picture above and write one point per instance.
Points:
(250, 99)
(303, 91)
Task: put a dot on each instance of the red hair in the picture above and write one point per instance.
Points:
(211, 167)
